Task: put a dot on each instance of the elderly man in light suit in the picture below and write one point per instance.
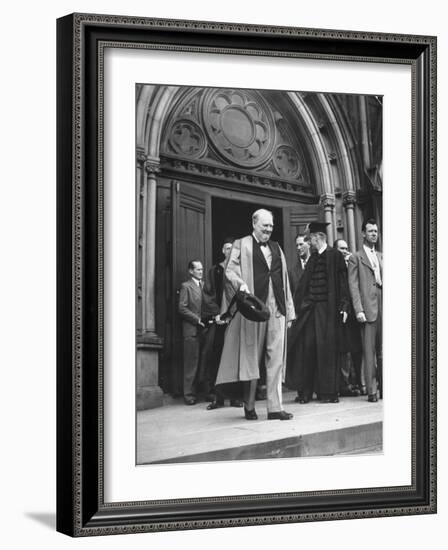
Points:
(257, 265)
(365, 277)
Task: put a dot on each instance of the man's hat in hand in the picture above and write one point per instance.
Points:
(251, 307)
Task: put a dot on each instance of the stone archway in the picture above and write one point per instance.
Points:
(315, 133)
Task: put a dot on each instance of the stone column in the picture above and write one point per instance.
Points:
(140, 186)
(349, 201)
(328, 202)
(149, 394)
(149, 246)
(365, 141)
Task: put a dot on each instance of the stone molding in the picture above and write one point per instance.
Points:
(183, 166)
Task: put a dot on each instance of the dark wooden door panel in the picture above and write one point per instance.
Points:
(192, 241)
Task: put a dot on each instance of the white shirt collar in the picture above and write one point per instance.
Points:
(322, 248)
(197, 281)
(369, 250)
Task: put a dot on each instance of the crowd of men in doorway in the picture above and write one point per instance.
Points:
(320, 329)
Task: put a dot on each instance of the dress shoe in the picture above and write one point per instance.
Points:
(190, 400)
(250, 415)
(236, 403)
(301, 400)
(280, 415)
(372, 399)
(214, 405)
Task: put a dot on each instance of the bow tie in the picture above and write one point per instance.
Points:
(260, 244)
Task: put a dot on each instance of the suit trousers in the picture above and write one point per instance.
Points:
(271, 339)
(372, 350)
(191, 363)
(197, 355)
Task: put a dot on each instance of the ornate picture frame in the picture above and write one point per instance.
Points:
(81, 507)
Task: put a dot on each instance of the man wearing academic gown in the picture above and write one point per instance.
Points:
(321, 302)
(257, 265)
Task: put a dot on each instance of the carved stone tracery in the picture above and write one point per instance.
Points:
(187, 139)
(239, 125)
(286, 162)
(237, 130)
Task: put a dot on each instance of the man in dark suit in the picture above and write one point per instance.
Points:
(350, 357)
(303, 254)
(321, 302)
(197, 309)
(365, 275)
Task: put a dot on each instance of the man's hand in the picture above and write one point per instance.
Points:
(218, 320)
(361, 317)
(344, 316)
(289, 324)
(244, 288)
(201, 324)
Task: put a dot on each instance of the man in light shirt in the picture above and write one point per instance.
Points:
(365, 275)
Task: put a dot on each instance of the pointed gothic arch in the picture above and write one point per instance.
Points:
(299, 151)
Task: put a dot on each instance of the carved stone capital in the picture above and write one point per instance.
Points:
(152, 166)
(349, 199)
(141, 156)
(328, 201)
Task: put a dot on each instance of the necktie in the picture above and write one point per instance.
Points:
(376, 268)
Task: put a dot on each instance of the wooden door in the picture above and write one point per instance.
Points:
(191, 241)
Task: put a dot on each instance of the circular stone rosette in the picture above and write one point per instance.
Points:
(239, 125)
(187, 139)
(286, 162)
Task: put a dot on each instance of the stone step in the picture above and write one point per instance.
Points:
(365, 439)
(178, 433)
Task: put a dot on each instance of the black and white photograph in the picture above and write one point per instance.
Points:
(181, 367)
(259, 274)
